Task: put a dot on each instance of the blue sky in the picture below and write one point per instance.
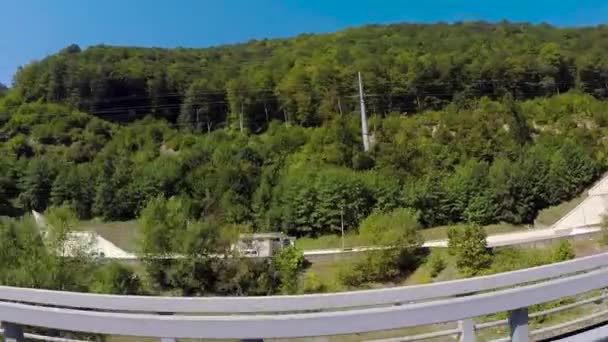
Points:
(32, 29)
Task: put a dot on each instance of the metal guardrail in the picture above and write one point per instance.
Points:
(325, 301)
(290, 316)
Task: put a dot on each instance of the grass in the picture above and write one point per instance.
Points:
(330, 241)
(122, 234)
(441, 232)
(327, 271)
(550, 215)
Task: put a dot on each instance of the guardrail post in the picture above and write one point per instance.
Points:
(518, 322)
(12, 332)
(467, 330)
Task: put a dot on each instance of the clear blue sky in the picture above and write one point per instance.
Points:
(32, 29)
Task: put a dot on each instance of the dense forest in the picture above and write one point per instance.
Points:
(309, 79)
(470, 122)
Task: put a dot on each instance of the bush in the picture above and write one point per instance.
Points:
(376, 266)
(115, 278)
(436, 264)
(379, 266)
(312, 284)
(563, 251)
(470, 249)
(507, 259)
(397, 228)
(288, 264)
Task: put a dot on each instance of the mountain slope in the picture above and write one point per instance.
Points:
(310, 78)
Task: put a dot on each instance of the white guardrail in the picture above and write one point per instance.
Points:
(355, 312)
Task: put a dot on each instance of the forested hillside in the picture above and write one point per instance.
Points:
(471, 122)
(310, 79)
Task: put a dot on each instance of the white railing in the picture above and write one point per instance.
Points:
(310, 315)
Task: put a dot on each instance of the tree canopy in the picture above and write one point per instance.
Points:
(309, 79)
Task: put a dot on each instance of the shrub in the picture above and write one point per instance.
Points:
(379, 266)
(470, 249)
(288, 263)
(436, 264)
(115, 278)
(563, 251)
(312, 284)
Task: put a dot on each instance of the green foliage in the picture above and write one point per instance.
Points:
(312, 284)
(563, 251)
(27, 260)
(396, 228)
(316, 202)
(37, 184)
(115, 278)
(309, 79)
(305, 181)
(168, 227)
(436, 264)
(73, 186)
(379, 266)
(469, 247)
(288, 263)
(511, 258)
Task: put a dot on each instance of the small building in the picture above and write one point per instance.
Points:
(262, 245)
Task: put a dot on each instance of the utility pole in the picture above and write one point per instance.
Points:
(342, 225)
(363, 117)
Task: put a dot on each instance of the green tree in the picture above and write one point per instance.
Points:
(73, 186)
(470, 249)
(289, 262)
(238, 103)
(167, 228)
(199, 110)
(37, 184)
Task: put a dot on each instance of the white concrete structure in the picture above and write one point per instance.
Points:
(89, 242)
(588, 213)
